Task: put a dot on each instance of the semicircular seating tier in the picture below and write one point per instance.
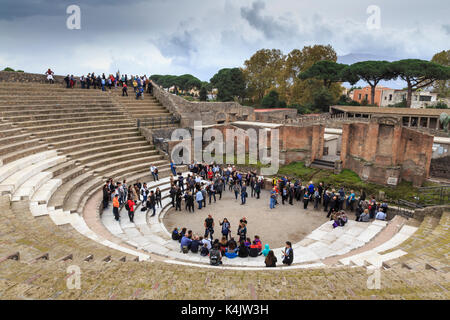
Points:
(57, 147)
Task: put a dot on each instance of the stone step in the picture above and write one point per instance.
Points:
(71, 174)
(52, 99)
(73, 120)
(127, 159)
(12, 143)
(11, 168)
(75, 138)
(74, 199)
(56, 110)
(13, 131)
(22, 152)
(54, 92)
(55, 107)
(100, 142)
(109, 150)
(44, 130)
(45, 191)
(65, 190)
(118, 172)
(13, 182)
(37, 116)
(116, 155)
(27, 190)
(62, 168)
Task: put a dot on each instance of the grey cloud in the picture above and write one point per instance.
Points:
(177, 45)
(267, 24)
(12, 9)
(446, 28)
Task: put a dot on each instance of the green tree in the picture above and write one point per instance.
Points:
(229, 83)
(329, 72)
(301, 92)
(442, 87)
(203, 93)
(8, 69)
(272, 100)
(418, 74)
(262, 72)
(371, 72)
(323, 99)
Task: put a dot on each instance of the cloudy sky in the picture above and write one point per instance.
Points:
(202, 36)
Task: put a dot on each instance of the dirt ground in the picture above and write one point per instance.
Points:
(275, 227)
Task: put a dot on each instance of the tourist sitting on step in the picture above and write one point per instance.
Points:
(271, 260)
(242, 250)
(266, 250)
(365, 216)
(231, 252)
(204, 251)
(186, 242)
(206, 242)
(380, 215)
(215, 258)
(176, 235)
(196, 244)
(223, 245)
(258, 243)
(253, 251)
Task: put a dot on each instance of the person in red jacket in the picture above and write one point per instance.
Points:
(130, 209)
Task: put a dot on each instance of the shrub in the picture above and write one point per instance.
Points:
(8, 69)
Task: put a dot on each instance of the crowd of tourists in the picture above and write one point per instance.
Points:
(325, 197)
(205, 184)
(140, 84)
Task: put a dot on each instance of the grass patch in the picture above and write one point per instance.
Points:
(350, 180)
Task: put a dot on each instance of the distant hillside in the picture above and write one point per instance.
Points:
(358, 57)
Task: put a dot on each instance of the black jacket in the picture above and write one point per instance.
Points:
(289, 258)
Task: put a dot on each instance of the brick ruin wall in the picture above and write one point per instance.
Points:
(384, 152)
(440, 167)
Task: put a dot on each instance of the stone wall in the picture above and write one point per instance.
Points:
(295, 143)
(440, 167)
(208, 112)
(384, 152)
(435, 212)
(10, 76)
(279, 116)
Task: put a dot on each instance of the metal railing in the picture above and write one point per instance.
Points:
(157, 122)
(428, 196)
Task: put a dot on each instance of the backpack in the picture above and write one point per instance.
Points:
(214, 259)
(204, 252)
(185, 249)
(127, 206)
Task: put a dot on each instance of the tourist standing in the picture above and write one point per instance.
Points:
(225, 227)
(130, 208)
(209, 226)
(288, 254)
(116, 207)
